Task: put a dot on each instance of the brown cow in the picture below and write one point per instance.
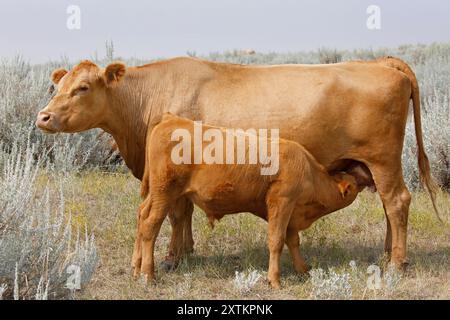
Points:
(299, 192)
(344, 112)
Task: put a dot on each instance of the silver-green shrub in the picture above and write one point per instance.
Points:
(330, 285)
(37, 244)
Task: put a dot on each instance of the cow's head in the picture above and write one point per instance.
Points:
(80, 102)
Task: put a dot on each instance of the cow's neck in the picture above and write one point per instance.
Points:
(133, 105)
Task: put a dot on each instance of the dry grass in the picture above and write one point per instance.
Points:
(108, 202)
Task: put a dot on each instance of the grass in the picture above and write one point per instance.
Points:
(107, 203)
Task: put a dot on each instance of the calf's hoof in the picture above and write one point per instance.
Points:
(275, 284)
(189, 250)
(136, 272)
(136, 268)
(400, 266)
(149, 279)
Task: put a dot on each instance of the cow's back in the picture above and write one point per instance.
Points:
(330, 109)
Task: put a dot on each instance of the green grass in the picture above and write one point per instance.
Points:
(107, 203)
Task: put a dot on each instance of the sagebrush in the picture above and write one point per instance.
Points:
(37, 240)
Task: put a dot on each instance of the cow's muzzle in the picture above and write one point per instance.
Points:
(47, 122)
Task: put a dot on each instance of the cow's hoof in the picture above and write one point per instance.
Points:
(168, 265)
(404, 266)
(407, 270)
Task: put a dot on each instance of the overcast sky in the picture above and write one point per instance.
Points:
(165, 28)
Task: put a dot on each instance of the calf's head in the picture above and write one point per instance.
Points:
(348, 187)
(81, 99)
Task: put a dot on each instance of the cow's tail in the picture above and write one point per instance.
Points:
(424, 165)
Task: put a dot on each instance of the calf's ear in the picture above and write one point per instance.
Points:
(58, 74)
(114, 72)
(344, 188)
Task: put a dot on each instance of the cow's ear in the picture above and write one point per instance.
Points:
(58, 74)
(114, 72)
(344, 187)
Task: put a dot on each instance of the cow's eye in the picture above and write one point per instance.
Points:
(81, 89)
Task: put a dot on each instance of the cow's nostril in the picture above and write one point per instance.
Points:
(46, 121)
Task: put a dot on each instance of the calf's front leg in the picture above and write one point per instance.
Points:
(136, 259)
(151, 219)
(279, 213)
(181, 241)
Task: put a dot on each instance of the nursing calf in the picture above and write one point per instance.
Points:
(290, 199)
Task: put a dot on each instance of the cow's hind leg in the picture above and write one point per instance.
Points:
(188, 238)
(396, 199)
(388, 239)
(179, 244)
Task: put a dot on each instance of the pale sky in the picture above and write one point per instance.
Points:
(165, 28)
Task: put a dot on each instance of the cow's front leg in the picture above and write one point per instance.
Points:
(181, 241)
(188, 238)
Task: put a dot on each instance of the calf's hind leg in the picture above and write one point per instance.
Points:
(293, 244)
